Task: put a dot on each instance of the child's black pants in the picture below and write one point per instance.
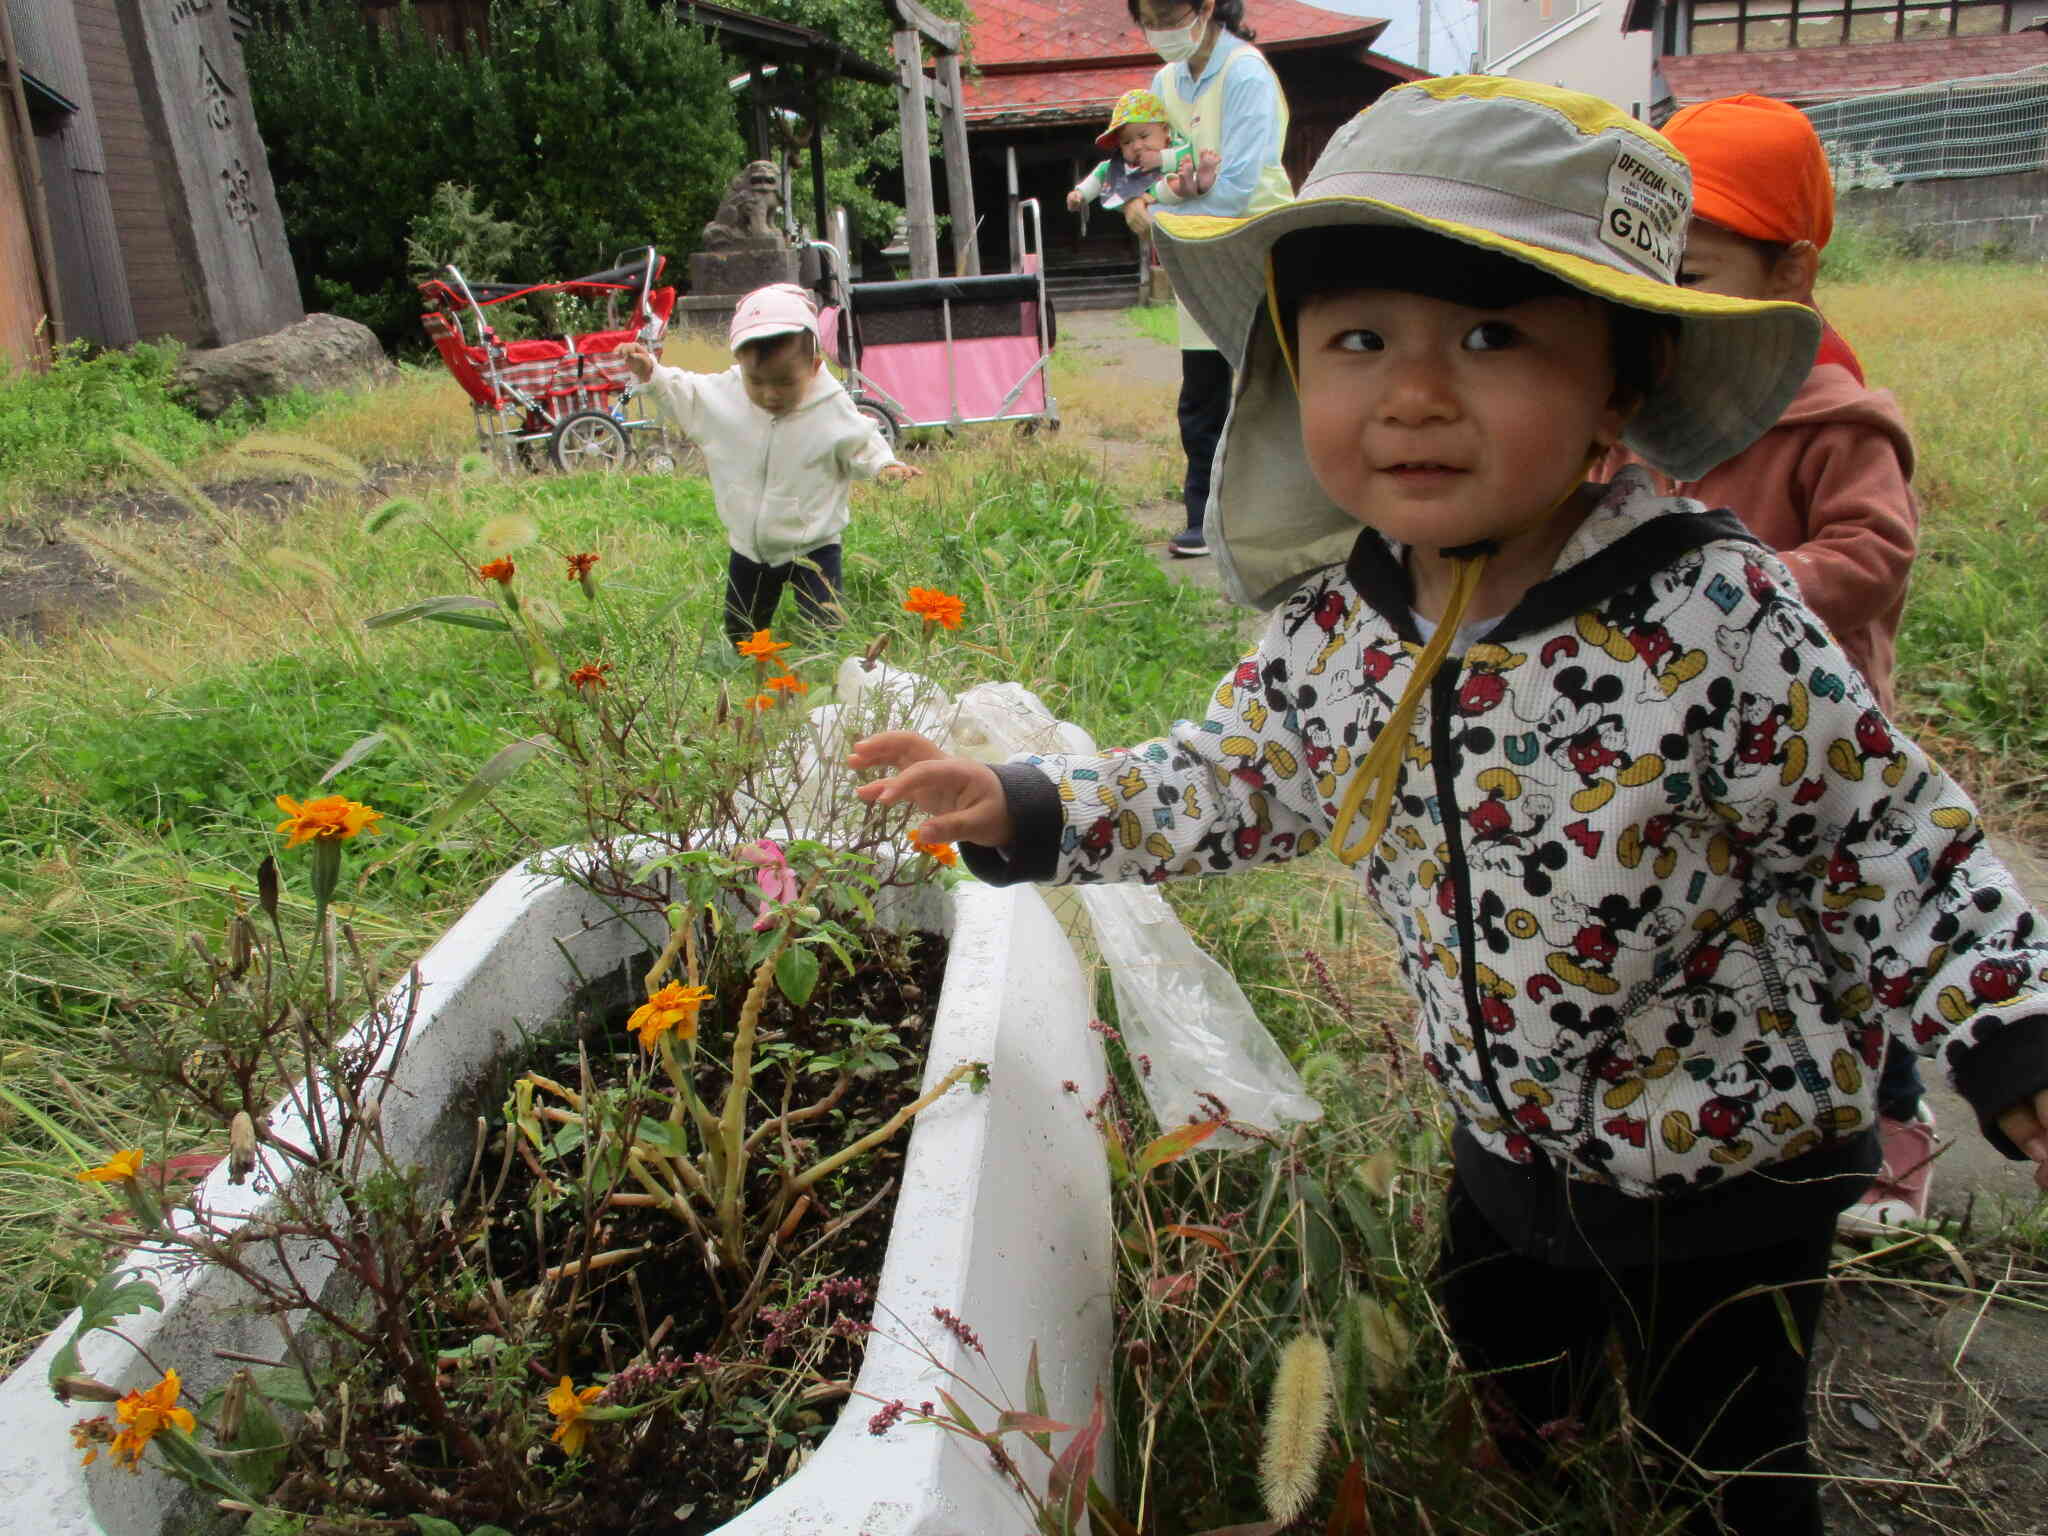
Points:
(1730, 1393)
(753, 591)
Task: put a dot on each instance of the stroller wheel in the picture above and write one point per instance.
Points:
(884, 419)
(589, 440)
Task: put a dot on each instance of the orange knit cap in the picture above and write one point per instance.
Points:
(1757, 168)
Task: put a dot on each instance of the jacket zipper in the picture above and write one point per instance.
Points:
(761, 496)
(1442, 709)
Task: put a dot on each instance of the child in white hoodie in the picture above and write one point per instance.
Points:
(784, 444)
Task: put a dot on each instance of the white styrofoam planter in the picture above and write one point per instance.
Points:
(1003, 1219)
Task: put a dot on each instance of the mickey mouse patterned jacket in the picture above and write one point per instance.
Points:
(1663, 876)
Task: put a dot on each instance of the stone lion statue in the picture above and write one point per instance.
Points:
(746, 216)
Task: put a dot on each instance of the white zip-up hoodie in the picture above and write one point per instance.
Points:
(780, 482)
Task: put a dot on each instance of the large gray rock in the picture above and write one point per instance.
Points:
(320, 352)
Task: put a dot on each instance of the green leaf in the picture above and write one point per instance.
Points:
(285, 1387)
(664, 1138)
(360, 749)
(1034, 1397)
(119, 1294)
(796, 973)
(259, 1445)
(433, 1525)
(184, 1459)
(502, 765)
(463, 604)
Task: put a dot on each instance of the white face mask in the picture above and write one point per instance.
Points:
(1179, 42)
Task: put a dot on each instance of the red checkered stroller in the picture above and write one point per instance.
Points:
(567, 399)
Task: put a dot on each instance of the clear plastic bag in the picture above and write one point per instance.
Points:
(1185, 1020)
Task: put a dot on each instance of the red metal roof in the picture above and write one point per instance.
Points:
(1805, 75)
(1012, 35)
(1059, 95)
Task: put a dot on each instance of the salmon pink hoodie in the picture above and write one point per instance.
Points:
(1829, 488)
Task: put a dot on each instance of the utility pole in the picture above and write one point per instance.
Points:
(1422, 36)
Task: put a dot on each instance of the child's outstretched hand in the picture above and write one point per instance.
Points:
(896, 474)
(965, 798)
(1074, 200)
(2026, 1123)
(638, 360)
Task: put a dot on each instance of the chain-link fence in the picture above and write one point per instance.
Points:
(1977, 127)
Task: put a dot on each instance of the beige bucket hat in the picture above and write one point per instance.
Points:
(1562, 181)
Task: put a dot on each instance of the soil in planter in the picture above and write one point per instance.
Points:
(739, 1412)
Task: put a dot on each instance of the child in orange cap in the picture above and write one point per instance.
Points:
(1828, 487)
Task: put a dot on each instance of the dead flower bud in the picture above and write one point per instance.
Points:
(241, 1147)
(85, 1389)
(234, 1402)
(241, 944)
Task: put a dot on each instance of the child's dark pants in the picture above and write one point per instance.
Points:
(753, 591)
(1727, 1390)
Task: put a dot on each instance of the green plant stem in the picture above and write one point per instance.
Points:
(882, 1133)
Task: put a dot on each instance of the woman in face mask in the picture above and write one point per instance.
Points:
(1220, 95)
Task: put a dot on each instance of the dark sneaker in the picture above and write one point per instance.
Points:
(1188, 543)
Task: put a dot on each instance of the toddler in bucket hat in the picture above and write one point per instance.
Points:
(1645, 845)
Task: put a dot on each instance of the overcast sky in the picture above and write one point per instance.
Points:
(1454, 30)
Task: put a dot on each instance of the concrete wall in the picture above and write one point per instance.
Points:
(1588, 52)
(1960, 215)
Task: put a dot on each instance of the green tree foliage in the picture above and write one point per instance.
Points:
(606, 125)
(862, 142)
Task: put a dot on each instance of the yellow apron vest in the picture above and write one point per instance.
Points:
(1199, 120)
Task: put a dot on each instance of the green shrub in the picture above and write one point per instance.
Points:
(607, 125)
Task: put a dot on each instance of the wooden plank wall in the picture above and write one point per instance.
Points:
(21, 295)
(156, 287)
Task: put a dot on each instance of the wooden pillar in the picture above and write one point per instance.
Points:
(814, 105)
(959, 173)
(917, 164)
(1016, 213)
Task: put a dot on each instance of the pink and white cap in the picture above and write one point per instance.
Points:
(780, 309)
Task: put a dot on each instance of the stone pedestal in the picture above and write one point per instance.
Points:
(212, 167)
(742, 269)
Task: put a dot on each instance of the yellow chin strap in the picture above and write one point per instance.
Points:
(1381, 770)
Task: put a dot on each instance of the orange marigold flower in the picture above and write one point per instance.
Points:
(118, 1169)
(763, 646)
(944, 853)
(144, 1415)
(590, 675)
(579, 565)
(789, 682)
(936, 607)
(674, 1007)
(330, 819)
(499, 570)
(568, 1405)
(760, 701)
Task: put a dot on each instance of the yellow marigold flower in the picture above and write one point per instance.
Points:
(500, 570)
(945, 853)
(330, 819)
(673, 1007)
(936, 607)
(590, 675)
(579, 565)
(568, 1405)
(144, 1415)
(763, 646)
(118, 1169)
(760, 701)
(789, 682)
